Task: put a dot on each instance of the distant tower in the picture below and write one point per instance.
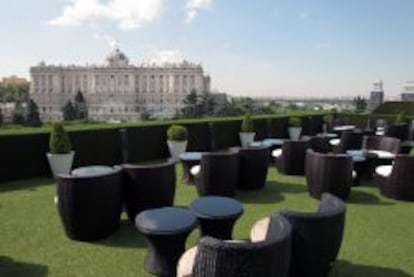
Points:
(408, 92)
(377, 95)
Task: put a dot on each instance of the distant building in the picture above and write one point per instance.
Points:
(408, 92)
(13, 80)
(117, 91)
(377, 95)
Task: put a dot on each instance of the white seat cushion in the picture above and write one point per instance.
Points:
(56, 200)
(383, 154)
(186, 263)
(277, 153)
(195, 170)
(354, 174)
(259, 230)
(334, 142)
(384, 170)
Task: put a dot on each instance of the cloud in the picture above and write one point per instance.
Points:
(129, 14)
(322, 45)
(193, 7)
(112, 42)
(164, 56)
(275, 13)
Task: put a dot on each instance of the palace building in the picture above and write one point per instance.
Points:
(118, 90)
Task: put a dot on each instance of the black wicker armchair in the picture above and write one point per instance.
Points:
(320, 144)
(253, 167)
(90, 207)
(396, 181)
(350, 140)
(329, 173)
(400, 131)
(218, 174)
(290, 159)
(267, 254)
(148, 186)
(384, 147)
(317, 237)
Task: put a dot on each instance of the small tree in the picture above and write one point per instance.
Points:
(247, 124)
(80, 107)
(360, 104)
(59, 142)
(191, 104)
(69, 112)
(32, 116)
(295, 122)
(17, 115)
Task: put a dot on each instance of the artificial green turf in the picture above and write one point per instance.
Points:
(379, 232)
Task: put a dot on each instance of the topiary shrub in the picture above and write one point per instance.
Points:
(295, 122)
(247, 124)
(59, 142)
(328, 118)
(177, 133)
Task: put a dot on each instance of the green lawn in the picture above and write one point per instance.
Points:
(379, 233)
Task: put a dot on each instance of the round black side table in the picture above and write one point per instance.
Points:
(165, 230)
(217, 215)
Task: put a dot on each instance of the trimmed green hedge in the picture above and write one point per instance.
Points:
(394, 108)
(23, 156)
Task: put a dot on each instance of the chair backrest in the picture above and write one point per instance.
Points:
(270, 257)
(320, 144)
(398, 130)
(317, 237)
(350, 140)
(400, 184)
(149, 186)
(219, 174)
(383, 143)
(328, 173)
(293, 158)
(253, 167)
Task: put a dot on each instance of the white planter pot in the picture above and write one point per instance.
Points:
(60, 163)
(294, 132)
(246, 138)
(176, 148)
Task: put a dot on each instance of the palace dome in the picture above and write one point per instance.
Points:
(117, 58)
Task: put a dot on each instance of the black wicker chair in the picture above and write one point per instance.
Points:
(329, 173)
(266, 255)
(320, 144)
(350, 140)
(218, 174)
(317, 237)
(148, 186)
(397, 181)
(253, 167)
(384, 147)
(291, 160)
(90, 207)
(400, 131)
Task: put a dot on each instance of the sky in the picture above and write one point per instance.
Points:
(298, 48)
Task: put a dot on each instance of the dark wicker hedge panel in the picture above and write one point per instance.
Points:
(23, 156)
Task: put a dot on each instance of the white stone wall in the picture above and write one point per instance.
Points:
(117, 91)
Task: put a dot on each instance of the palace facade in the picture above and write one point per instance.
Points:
(118, 90)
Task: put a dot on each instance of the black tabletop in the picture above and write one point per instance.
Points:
(216, 207)
(167, 220)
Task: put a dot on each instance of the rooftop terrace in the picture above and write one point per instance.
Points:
(378, 239)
